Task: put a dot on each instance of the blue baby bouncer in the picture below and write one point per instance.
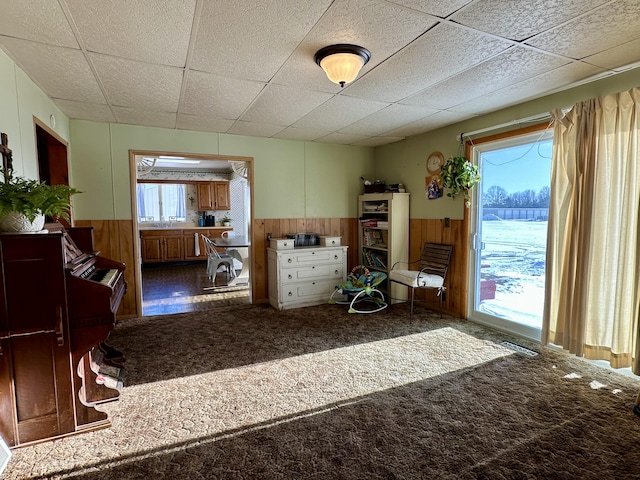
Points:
(361, 286)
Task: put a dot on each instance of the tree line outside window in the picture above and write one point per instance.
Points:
(498, 197)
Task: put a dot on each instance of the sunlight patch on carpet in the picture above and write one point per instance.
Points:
(249, 395)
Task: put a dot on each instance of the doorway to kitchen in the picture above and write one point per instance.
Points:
(177, 199)
(509, 231)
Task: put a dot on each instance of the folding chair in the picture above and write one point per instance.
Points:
(215, 260)
(431, 273)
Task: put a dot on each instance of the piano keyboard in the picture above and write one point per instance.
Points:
(105, 276)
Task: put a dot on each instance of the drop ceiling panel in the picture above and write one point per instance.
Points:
(380, 27)
(592, 33)
(377, 141)
(137, 116)
(282, 105)
(86, 111)
(440, 53)
(220, 56)
(616, 57)
(440, 8)
(264, 33)
(545, 83)
(149, 31)
(512, 66)
(436, 120)
(342, 138)
(130, 83)
(61, 72)
(387, 119)
(203, 124)
(295, 133)
(521, 20)
(39, 20)
(339, 112)
(209, 95)
(254, 129)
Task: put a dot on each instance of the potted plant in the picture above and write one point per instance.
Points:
(24, 203)
(459, 175)
(226, 220)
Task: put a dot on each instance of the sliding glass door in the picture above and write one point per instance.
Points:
(509, 233)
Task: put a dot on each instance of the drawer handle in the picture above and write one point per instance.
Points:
(336, 272)
(290, 294)
(313, 268)
(289, 260)
(290, 276)
(333, 242)
(335, 257)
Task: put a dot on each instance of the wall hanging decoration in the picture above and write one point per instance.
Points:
(433, 181)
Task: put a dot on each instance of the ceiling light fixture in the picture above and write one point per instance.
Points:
(342, 62)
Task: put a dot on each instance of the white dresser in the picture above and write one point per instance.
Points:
(305, 276)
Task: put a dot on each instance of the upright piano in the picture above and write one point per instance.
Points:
(58, 304)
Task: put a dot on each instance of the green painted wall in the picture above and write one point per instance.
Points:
(405, 161)
(293, 179)
(22, 100)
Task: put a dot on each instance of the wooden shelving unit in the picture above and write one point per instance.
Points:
(383, 235)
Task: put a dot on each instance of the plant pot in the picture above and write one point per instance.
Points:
(226, 224)
(17, 222)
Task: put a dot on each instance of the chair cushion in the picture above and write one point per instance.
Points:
(416, 279)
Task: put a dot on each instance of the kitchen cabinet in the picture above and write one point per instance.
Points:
(161, 246)
(214, 196)
(175, 245)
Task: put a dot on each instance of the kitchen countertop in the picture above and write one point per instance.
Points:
(181, 227)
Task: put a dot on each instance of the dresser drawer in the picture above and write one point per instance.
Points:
(313, 272)
(306, 291)
(312, 257)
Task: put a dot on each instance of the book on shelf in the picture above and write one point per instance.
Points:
(383, 224)
(369, 222)
(374, 238)
(374, 259)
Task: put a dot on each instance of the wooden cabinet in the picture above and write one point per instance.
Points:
(383, 234)
(305, 276)
(161, 246)
(35, 348)
(214, 196)
(175, 245)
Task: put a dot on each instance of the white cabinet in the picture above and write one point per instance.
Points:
(383, 234)
(305, 276)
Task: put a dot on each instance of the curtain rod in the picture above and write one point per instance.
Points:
(533, 118)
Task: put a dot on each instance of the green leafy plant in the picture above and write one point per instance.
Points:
(32, 198)
(226, 218)
(459, 176)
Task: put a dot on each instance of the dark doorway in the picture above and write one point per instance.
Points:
(53, 168)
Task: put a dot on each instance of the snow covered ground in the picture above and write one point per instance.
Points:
(514, 257)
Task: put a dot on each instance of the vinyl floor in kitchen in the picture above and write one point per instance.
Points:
(169, 288)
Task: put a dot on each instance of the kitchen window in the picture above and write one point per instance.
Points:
(162, 202)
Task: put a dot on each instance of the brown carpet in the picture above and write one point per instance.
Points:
(248, 392)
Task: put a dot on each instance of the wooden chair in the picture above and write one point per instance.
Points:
(431, 273)
(215, 260)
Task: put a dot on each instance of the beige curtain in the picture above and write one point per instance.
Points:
(593, 276)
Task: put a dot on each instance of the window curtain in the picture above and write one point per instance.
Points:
(592, 279)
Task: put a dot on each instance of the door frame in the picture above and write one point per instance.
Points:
(133, 176)
(470, 219)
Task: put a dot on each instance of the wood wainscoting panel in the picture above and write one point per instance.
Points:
(434, 230)
(114, 240)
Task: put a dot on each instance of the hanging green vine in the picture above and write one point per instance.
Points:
(459, 176)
